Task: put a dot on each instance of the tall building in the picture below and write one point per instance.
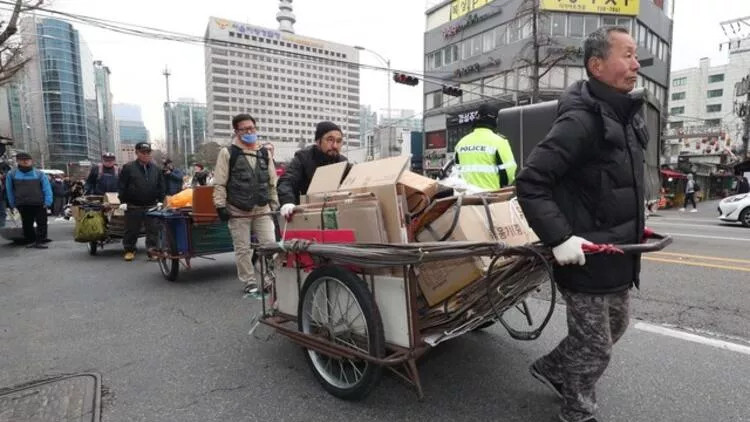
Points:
(129, 127)
(186, 129)
(11, 114)
(104, 107)
(59, 95)
(482, 47)
(368, 120)
(288, 82)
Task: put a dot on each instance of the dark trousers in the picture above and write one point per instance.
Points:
(595, 323)
(135, 217)
(57, 206)
(31, 214)
(689, 197)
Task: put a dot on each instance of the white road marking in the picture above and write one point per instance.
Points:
(657, 219)
(718, 225)
(705, 236)
(695, 338)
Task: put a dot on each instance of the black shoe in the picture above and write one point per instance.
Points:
(37, 246)
(555, 387)
(47, 240)
(564, 419)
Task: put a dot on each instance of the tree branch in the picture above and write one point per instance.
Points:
(554, 62)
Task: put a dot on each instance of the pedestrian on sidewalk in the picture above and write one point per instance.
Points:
(58, 196)
(28, 190)
(4, 169)
(584, 183)
(141, 188)
(690, 189)
(743, 186)
(244, 185)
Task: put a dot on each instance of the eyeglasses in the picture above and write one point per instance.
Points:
(250, 129)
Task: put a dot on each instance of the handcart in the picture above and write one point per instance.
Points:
(114, 222)
(356, 308)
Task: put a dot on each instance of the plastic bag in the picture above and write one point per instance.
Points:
(182, 199)
(457, 183)
(90, 227)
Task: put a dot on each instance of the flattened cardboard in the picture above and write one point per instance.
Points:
(380, 177)
(327, 178)
(363, 217)
(441, 279)
(111, 198)
(419, 190)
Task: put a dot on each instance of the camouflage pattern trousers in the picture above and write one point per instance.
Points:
(595, 323)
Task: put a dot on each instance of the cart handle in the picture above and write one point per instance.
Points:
(663, 242)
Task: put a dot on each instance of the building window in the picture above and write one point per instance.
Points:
(592, 24)
(713, 108)
(713, 93)
(476, 45)
(679, 81)
(437, 59)
(514, 31)
(488, 41)
(713, 122)
(676, 110)
(716, 78)
(609, 21)
(678, 96)
(676, 125)
(558, 24)
(640, 35)
(575, 26)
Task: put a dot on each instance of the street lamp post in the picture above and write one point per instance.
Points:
(388, 75)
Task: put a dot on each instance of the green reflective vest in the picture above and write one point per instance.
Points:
(485, 159)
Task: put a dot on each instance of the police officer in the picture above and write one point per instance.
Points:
(484, 158)
(245, 185)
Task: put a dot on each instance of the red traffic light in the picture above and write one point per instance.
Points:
(401, 78)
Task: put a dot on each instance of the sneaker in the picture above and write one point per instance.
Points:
(536, 373)
(129, 256)
(37, 246)
(682, 209)
(694, 210)
(564, 419)
(251, 287)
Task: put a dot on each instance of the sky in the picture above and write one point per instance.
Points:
(393, 28)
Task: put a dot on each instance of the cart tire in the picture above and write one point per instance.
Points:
(93, 247)
(348, 379)
(170, 268)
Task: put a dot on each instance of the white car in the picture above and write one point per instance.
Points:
(736, 208)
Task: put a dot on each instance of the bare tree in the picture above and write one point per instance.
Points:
(542, 52)
(11, 58)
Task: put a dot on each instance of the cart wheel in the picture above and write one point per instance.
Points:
(93, 247)
(170, 268)
(336, 305)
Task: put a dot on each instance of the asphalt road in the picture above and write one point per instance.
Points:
(181, 351)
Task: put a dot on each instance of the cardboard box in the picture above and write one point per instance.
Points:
(439, 281)
(363, 217)
(381, 177)
(418, 189)
(204, 210)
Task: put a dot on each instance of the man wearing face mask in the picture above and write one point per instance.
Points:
(245, 185)
(300, 171)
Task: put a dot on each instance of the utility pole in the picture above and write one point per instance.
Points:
(167, 74)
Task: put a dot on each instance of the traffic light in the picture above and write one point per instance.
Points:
(452, 91)
(401, 78)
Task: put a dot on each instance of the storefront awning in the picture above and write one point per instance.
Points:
(673, 174)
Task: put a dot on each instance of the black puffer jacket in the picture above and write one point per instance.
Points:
(296, 179)
(586, 179)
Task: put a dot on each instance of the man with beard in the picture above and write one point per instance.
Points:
(299, 172)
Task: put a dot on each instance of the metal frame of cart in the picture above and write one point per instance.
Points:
(354, 319)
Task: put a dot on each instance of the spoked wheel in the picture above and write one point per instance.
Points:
(337, 306)
(170, 268)
(93, 247)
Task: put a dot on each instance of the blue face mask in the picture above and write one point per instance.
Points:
(249, 138)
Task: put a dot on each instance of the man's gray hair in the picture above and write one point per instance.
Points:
(597, 44)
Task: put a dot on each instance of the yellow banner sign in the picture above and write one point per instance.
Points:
(462, 7)
(612, 7)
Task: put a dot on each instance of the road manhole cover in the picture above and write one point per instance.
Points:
(71, 398)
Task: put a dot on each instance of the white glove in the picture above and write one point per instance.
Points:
(159, 205)
(123, 207)
(287, 210)
(570, 251)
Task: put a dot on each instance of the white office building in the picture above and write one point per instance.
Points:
(287, 82)
(703, 98)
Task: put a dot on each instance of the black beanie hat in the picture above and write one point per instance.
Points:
(486, 117)
(325, 127)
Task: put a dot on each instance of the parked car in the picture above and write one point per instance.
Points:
(736, 208)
